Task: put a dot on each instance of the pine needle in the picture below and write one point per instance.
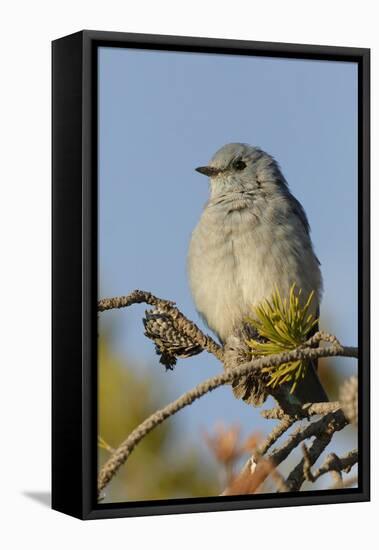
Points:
(284, 324)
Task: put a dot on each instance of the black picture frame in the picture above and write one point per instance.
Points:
(74, 272)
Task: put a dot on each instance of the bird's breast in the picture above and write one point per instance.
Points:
(236, 259)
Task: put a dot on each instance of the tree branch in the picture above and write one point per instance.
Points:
(338, 464)
(250, 466)
(323, 431)
(258, 465)
(122, 453)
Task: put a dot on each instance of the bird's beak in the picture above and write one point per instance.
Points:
(208, 170)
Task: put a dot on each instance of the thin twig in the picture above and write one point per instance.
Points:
(307, 463)
(250, 479)
(135, 297)
(277, 432)
(338, 464)
(323, 431)
(333, 464)
(251, 464)
(322, 336)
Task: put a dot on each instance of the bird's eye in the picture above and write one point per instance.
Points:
(239, 164)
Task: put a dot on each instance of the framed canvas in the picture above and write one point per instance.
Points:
(237, 374)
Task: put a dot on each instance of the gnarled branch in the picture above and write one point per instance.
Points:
(122, 453)
(333, 418)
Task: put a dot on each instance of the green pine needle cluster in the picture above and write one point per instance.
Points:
(284, 324)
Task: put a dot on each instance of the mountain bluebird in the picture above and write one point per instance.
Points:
(253, 237)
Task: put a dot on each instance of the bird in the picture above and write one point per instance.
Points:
(253, 237)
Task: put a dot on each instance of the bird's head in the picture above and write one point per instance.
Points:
(240, 168)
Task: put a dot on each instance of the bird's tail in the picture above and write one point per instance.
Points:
(308, 390)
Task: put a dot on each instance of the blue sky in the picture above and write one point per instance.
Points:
(161, 114)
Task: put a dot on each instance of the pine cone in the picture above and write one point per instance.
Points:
(169, 343)
(249, 388)
(349, 399)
